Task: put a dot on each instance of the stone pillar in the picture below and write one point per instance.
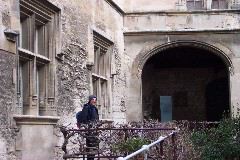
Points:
(235, 87)
(134, 100)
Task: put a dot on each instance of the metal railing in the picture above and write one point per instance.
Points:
(109, 137)
(145, 148)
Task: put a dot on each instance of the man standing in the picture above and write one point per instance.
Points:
(90, 111)
(90, 115)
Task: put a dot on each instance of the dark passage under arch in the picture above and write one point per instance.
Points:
(185, 83)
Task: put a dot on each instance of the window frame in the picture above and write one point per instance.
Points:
(235, 4)
(219, 5)
(32, 14)
(101, 80)
(194, 7)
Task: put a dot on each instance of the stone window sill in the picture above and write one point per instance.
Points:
(35, 120)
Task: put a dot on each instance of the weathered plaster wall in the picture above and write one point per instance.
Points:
(145, 5)
(187, 21)
(43, 142)
(164, 5)
(7, 103)
(7, 83)
(78, 20)
(138, 43)
(141, 42)
(8, 20)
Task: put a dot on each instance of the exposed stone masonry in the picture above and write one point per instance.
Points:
(73, 78)
(7, 92)
(134, 35)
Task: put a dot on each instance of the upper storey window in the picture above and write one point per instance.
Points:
(195, 4)
(219, 4)
(101, 73)
(206, 4)
(235, 4)
(38, 34)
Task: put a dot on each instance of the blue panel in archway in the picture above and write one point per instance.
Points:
(166, 108)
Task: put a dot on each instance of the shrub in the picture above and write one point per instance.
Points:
(219, 143)
(131, 145)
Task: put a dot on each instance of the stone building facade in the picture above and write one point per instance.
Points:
(131, 54)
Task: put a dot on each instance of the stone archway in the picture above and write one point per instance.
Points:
(134, 100)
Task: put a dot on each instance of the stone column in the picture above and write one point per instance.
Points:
(235, 87)
(134, 100)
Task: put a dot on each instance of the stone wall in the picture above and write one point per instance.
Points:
(9, 19)
(8, 129)
(130, 6)
(7, 104)
(78, 21)
(73, 85)
(145, 6)
(73, 77)
(140, 45)
(177, 21)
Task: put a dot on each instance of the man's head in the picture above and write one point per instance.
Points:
(92, 100)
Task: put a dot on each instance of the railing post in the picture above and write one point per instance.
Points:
(126, 134)
(125, 138)
(145, 152)
(145, 155)
(161, 149)
(174, 146)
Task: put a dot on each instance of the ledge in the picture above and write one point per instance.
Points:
(35, 120)
(214, 11)
(183, 31)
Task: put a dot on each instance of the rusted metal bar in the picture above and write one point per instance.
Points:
(82, 156)
(119, 129)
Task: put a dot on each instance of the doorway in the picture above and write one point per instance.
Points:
(196, 79)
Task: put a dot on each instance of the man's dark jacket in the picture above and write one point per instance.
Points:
(89, 113)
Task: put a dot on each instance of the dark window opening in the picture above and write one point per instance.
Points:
(195, 4)
(219, 4)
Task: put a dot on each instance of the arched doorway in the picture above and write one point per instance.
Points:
(185, 82)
